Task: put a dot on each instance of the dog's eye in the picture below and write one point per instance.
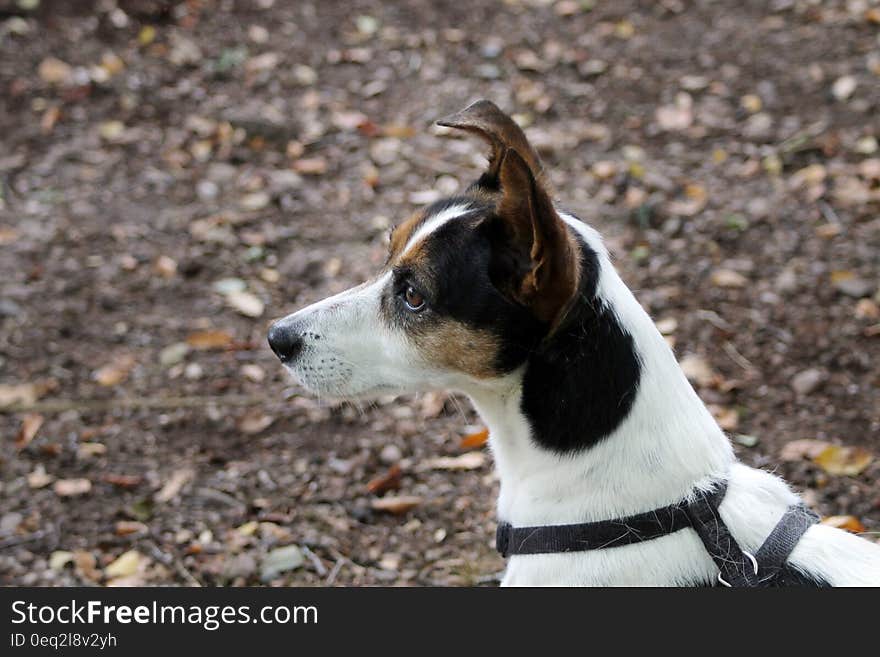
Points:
(413, 299)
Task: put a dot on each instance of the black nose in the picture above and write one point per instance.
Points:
(286, 342)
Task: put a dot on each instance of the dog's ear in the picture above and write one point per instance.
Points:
(536, 255)
(484, 119)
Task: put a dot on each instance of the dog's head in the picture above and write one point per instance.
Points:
(471, 285)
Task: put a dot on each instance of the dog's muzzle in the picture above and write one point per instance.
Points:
(286, 342)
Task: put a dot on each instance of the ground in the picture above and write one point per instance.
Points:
(176, 174)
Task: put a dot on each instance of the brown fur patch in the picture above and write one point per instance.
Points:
(452, 345)
(402, 233)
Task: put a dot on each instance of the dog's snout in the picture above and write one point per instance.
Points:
(285, 341)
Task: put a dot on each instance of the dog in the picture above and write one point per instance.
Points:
(499, 294)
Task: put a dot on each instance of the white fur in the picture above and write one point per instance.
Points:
(667, 445)
(432, 224)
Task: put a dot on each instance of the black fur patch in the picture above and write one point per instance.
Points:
(581, 382)
(461, 256)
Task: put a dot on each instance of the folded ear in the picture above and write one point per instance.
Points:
(538, 261)
(483, 118)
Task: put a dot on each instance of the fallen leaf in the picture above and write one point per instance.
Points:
(727, 418)
(18, 393)
(248, 528)
(795, 450)
(253, 372)
(128, 563)
(751, 103)
(112, 131)
(53, 71)
(38, 478)
(173, 354)
(254, 422)
(395, 505)
(30, 425)
(59, 559)
(88, 450)
(839, 460)
(388, 481)
(849, 523)
(745, 439)
(867, 309)
(147, 35)
(166, 267)
(205, 340)
(72, 487)
(667, 326)
(728, 278)
(129, 527)
(467, 461)
(844, 87)
(178, 479)
(398, 130)
(254, 201)
(697, 369)
(123, 481)
(310, 166)
(116, 372)
(281, 560)
(245, 303)
(678, 116)
(86, 565)
(474, 440)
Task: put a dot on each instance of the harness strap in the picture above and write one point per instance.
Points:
(776, 549)
(736, 567)
(548, 539)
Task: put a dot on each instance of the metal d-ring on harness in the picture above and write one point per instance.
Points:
(736, 566)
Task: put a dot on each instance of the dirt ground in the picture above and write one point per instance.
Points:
(174, 175)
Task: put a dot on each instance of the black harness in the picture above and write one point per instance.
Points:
(736, 566)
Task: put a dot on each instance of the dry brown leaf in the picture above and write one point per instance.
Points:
(808, 448)
(123, 481)
(849, 523)
(727, 418)
(396, 505)
(388, 481)
(474, 440)
(398, 130)
(839, 460)
(178, 479)
(30, 425)
(86, 565)
(209, 340)
(128, 527)
(72, 487)
(116, 372)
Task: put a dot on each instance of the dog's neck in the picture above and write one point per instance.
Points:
(663, 444)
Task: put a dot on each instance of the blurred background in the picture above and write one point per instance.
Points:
(176, 174)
